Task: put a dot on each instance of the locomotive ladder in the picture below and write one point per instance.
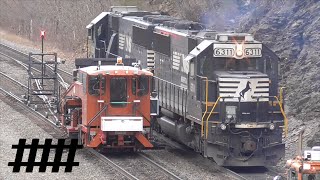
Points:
(205, 131)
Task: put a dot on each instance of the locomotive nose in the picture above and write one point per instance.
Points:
(249, 146)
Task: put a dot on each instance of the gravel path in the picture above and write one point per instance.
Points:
(15, 125)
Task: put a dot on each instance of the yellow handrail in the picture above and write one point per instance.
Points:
(284, 116)
(281, 95)
(207, 121)
(202, 127)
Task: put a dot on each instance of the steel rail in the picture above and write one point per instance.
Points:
(22, 105)
(176, 145)
(159, 166)
(27, 56)
(62, 82)
(44, 98)
(111, 163)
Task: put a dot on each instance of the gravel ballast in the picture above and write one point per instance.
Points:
(15, 125)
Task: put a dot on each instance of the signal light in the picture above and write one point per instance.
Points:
(119, 60)
(42, 34)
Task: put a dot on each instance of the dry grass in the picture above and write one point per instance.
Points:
(49, 46)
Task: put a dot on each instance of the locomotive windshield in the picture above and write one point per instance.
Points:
(209, 65)
(231, 64)
(118, 92)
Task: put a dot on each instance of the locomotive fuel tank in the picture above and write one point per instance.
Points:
(181, 132)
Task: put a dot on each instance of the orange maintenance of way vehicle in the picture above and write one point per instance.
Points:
(108, 106)
(305, 166)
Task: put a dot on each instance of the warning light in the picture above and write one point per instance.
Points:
(42, 34)
(119, 60)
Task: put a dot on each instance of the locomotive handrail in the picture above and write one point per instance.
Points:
(202, 127)
(281, 95)
(281, 109)
(98, 114)
(94, 118)
(121, 102)
(285, 118)
(207, 121)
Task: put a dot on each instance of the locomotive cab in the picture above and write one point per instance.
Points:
(113, 107)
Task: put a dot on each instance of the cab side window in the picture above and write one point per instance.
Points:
(143, 85)
(134, 86)
(94, 85)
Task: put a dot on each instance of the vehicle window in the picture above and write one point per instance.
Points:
(94, 85)
(134, 86)
(311, 176)
(143, 85)
(118, 92)
(293, 175)
(84, 82)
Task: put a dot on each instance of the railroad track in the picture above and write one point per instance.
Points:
(256, 172)
(18, 103)
(16, 57)
(12, 92)
(22, 58)
(252, 173)
(141, 166)
(17, 89)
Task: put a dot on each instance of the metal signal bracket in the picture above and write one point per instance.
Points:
(43, 79)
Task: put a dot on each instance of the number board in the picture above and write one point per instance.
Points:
(252, 52)
(223, 52)
(228, 50)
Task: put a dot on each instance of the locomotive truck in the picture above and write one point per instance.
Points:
(218, 91)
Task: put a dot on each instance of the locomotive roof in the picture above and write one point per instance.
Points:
(97, 19)
(119, 70)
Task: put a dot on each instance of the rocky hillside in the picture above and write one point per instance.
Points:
(292, 29)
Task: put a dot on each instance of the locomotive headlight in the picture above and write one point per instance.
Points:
(239, 53)
(272, 126)
(239, 50)
(223, 127)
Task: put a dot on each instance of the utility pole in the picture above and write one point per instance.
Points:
(42, 34)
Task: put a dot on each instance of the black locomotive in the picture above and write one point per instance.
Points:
(218, 91)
